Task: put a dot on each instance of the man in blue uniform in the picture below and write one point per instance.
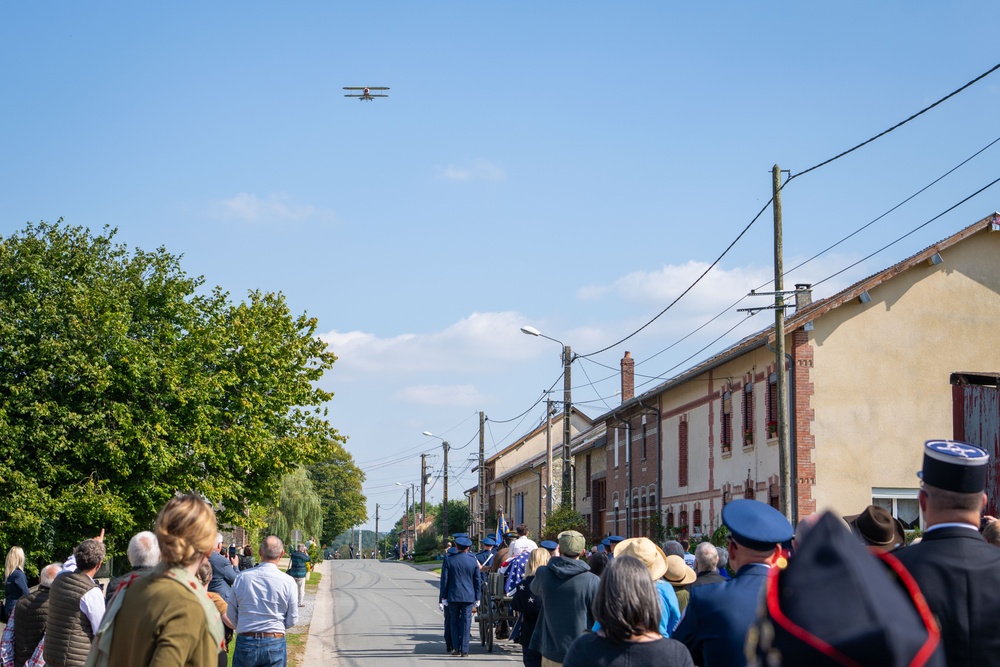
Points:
(449, 645)
(717, 618)
(489, 552)
(460, 586)
(957, 570)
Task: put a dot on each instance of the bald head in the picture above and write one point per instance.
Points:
(271, 549)
(49, 574)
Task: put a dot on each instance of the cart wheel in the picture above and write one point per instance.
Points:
(491, 625)
(483, 617)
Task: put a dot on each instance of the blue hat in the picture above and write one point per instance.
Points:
(460, 535)
(452, 551)
(756, 525)
(489, 542)
(606, 542)
(954, 466)
(549, 544)
(870, 615)
(463, 541)
(615, 539)
(601, 549)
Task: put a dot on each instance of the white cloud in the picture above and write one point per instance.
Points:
(442, 395)
(477, 170)
(250, 207)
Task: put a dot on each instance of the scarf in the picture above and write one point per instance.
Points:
(100, 650)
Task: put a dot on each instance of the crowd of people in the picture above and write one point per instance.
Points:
(833, 591)
(185, 598)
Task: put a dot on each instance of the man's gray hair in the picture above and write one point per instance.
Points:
(706, 557)
(723, 556)
(673, 548)
(271, 548)
(89, 554)
(144, 550)
(49, 574)
(219, 539)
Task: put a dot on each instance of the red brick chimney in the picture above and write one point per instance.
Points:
(628, 377)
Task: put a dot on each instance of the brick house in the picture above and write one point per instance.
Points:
(868, 374)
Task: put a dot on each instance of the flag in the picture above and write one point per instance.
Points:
(501, 527)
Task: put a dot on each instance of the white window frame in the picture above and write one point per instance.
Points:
(896, 494)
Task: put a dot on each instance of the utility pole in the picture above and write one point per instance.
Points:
(481, 516)
(406, 514)
(414, 514)
(784, 456)
(378, 547)
(567, 491)
(423, 487)
(548, 457)
(445, 444)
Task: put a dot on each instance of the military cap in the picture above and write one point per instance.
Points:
(452, 551)
(601, 549)
(460, 535)
(613, 540)
(606, 542)
(836, 603)
(549, 544)
(954, 466)
(489, 542)
(755, 525)
(463, 542)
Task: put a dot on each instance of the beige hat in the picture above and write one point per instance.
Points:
(645, 550)
(678, 573)
(571, 543)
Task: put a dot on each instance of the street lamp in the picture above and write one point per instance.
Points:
(445, 444)
(567, 359)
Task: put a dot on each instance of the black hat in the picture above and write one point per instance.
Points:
(755, 525)
(836, 603)
(954, 466)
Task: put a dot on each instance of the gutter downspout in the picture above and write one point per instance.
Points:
(659, 457)
(540, 487)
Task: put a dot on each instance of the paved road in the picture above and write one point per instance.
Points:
(375, 612)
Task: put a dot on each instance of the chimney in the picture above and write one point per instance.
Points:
(628, 377)
(803, 296)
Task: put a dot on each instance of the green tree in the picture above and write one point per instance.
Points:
(123, 380)
(459, 517)
(338, 482)
(563, 518)
(298, 508)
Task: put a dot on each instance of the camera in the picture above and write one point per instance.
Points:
(232, 550)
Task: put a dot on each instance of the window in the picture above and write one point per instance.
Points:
(644, 437)
(587, 467)
(901, 503)
(518, 508)
(670, 520)
(682, 452)
(772, 405)
(726, 437)
(696, 527)
(748, 414)
(774, 496)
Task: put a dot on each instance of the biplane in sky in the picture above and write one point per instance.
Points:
(366, 92)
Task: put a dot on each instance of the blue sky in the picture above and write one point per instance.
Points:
(572, 166)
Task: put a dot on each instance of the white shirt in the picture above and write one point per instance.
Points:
(93, 607)
(520, 546)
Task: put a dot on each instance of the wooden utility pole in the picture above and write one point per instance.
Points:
(548, 457)
(444, 507)
(481, 516)
(378, 547)
(423, 487)
(784, 456)
(567, 479)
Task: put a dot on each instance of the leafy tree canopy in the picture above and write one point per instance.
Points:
(338, 483)
(298, 508)
(123, 380)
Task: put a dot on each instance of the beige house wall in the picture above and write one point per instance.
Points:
(881, 370)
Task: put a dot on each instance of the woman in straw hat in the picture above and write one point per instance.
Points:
(680, 577)
(628, 610)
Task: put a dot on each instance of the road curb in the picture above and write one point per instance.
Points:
(321, 646)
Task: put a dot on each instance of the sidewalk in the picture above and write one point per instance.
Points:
(318, 615)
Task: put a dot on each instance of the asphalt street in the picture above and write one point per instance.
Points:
(369, 613)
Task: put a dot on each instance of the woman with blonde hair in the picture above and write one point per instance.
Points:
(529, 606)
(15, 583)
(165, 616)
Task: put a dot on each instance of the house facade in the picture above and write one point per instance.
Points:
(868, 376)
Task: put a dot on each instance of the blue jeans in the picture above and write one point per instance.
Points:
(259, 652)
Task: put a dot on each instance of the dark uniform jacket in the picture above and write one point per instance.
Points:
(460, 578)
(716, 620)
(959, 575)
(67, 632)
(31, 613)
